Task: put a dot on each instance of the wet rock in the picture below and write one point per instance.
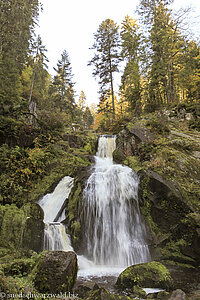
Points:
(178, 295)
(56, 272)
(152, 274)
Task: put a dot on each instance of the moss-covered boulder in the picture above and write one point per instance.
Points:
(55, 272)
(146, 275)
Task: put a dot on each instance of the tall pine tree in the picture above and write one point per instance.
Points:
(61, 90)
(130, 87)
(106, 58)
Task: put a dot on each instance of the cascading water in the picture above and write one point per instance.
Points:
(114, 232)
(55, 237)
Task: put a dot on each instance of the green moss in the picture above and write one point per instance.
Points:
(76, 229)
(13, 223)
(172, 252)
(88, 148)
(72, 214)
(134, 163)
(16, 285)
(152, 274)
(46, 267)
(138, 292)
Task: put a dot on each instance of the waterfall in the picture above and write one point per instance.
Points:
(114, 232)
(53, 205)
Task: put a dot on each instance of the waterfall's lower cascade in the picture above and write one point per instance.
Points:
(114, 232)
(53, 205)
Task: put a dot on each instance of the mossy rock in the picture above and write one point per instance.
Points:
(169, 219)
(55, 272)
(103, 294)
(139, 292)
(74, 210)
(146, 275)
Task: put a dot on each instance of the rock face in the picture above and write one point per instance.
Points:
(56, 272)
(152, 274)
(33, 234)
(169, 172)
(129, 140)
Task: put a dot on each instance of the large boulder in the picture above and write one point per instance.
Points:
(56, 272)
(146, 275)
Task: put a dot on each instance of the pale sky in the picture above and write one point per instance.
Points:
(70, 25)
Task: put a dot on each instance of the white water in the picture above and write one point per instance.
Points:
(55, 237)
(114, 233)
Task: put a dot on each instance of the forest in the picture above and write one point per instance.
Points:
(47, 131)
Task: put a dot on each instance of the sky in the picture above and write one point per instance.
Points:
(71, 25)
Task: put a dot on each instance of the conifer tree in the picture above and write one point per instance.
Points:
(130, 86)
(62, 86)
(39, 61)
(18, 19)
(106, 58)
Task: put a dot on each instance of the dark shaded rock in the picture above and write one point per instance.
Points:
(56, 272)
(166, 213)
(152, 274)
(103, 294)
(126, 146)
(33, 235)
(166, 202)
(34, 227)
(129, 141)
(74, 210)
(141, 133)
(82, 290)
(184, 277)
(178, 295)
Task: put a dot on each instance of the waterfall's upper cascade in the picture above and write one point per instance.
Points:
(55, 237)
(106, 146)
(114, 232)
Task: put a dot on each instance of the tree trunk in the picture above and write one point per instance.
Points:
(111, 83)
